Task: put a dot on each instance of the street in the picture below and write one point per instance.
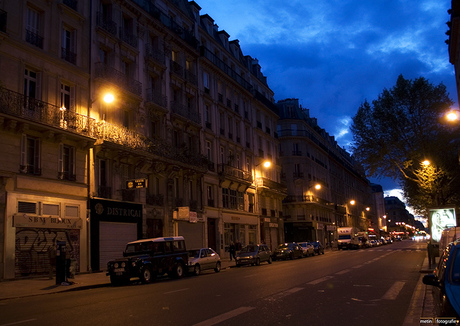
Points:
(369, 286)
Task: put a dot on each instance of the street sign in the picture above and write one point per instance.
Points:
(136, 183)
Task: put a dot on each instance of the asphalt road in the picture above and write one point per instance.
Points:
(364, 287)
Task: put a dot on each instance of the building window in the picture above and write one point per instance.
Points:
(206, 82)
(232, 199)
(50, 209)
(68, 45)
(30, 155)
(66, 162)
(31, 88)
(33, 28)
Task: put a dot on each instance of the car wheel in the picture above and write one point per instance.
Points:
(270, 260)
(291, 256)
(179, 270)
(146, 275)
(197, 269)
(217, 269)
(258, 262)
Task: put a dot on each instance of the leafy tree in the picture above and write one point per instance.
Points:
(404, 127)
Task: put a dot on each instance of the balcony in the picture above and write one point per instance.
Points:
(34, 39)
(154, 54)
(155, 96)
(296, 153)
(67, 176)
(106, 23)
(305, 199)
(128, 37)
(266, 183)
(186, 112)
(118, 78)
(68, 55)
(24, 107)
(177, 69)
(30, 169)
(191, 77)
(155, 200)
(105, 192)
(230, 171)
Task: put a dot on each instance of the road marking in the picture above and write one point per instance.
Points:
(343, 272)
(319, 280)
(393, 292)
(19, 322)
(358, 266)
(176, 291)
(416, 305)
(225, 316)
(283, 294)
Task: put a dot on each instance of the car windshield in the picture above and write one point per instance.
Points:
(303, 244)
(194, 253)
(283, 246)
(249, 249)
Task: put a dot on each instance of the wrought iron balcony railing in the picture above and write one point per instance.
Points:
(128, 37)
(154, 53)
(68, 55)
(155, 96)
(186, 112)
(106, 23)
(230, 171)
(305, 199)
(29, 108)
(34, 39)
(270, 184)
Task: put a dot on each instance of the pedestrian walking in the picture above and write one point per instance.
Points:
(232, 251)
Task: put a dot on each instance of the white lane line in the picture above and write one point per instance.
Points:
(319, 280)
(343, 272)
(225, 316)
(283, 294)
(18, 322)
(176, 291)
(393, 292)
(358, 266)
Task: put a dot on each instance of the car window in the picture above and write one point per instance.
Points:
(248, 249)
(194, 253)
(442, 264)
(455, 267)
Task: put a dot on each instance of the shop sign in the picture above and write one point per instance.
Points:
(183, 213)
(48, 222)
(330, 227)
(272, 225)
(136, 183)
(440, 219)
(193, 217)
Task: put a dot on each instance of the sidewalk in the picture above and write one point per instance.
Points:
(19, 288)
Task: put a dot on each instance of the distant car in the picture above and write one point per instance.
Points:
(203, 259)
(289, 250)
(318, 247)
(446, 282)
(307, 248)
(253, 255)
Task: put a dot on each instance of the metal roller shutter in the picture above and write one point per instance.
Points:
(113, 237)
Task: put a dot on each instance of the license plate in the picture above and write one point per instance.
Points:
(119, 273)
(119, 270)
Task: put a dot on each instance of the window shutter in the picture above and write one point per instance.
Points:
(61, 158)
(24, 150)
(37, 156)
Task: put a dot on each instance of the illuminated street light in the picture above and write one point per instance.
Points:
(267, 164)
(109, 98)
(352, 202)
(426, 163)
(452, 116)
(317, 186)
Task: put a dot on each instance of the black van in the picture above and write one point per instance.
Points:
(148, 258)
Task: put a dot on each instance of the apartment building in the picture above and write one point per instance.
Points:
(326, 188)
(127, 120)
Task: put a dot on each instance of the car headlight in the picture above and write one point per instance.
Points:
(115, 265)
(123, 264)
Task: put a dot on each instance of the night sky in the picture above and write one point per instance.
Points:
(334, 54)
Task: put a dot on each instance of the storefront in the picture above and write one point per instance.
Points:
(34, 225)
(112, 225)
(240, 229)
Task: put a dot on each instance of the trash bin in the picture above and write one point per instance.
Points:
(60, 262)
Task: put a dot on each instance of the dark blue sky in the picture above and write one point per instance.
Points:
(334, 54)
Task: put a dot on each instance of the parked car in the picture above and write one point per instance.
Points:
(446, 282)
(318, 247)
(307, 248)
(289, 250)
(203, 259)
(253, 255)
(145, 259)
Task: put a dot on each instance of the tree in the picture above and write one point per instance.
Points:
(404, 127)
